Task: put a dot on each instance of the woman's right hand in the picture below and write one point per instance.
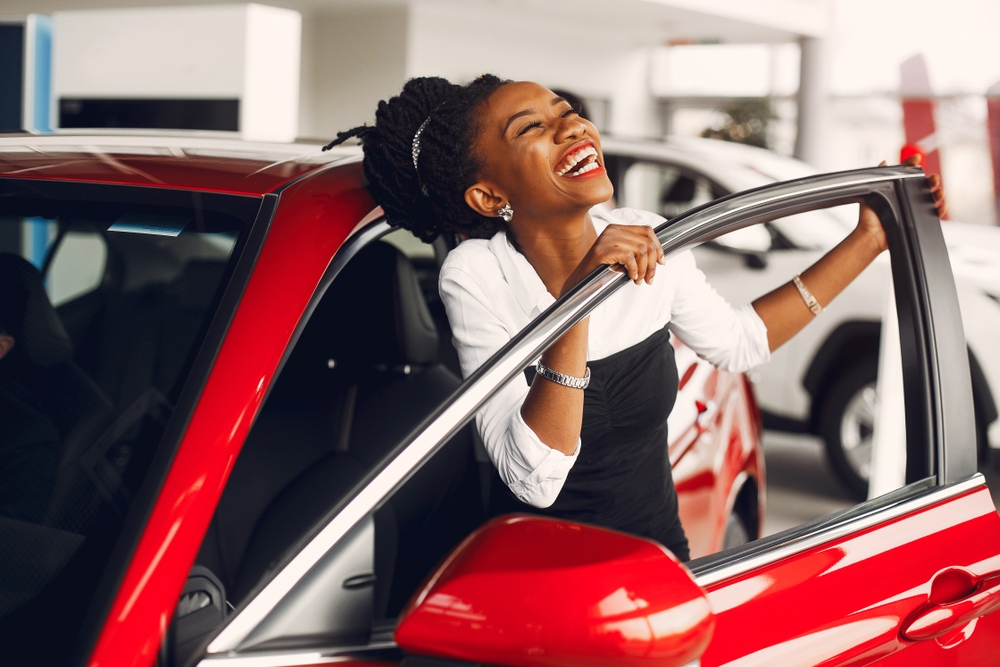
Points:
(630, 249)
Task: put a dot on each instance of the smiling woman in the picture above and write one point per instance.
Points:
(517, 172)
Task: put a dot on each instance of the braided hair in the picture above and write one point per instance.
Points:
(427, 198)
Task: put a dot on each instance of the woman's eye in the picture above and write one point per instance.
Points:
(529, 126)
(570, 112)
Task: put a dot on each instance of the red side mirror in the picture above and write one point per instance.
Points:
(535, 591)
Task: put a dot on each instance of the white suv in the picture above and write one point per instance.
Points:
(823, 381)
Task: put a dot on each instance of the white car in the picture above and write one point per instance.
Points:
(823, 381)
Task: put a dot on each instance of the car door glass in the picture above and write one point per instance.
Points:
(817, 230)
(669, 190)
(664, 189)
(99, 357)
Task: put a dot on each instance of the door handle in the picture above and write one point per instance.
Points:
(981, 596)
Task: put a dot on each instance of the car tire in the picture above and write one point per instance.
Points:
(737, 534)
(846, 424)
(846, 421)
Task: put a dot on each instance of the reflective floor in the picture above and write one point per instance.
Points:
(801, 487)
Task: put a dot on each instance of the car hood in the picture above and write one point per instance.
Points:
(974, 251)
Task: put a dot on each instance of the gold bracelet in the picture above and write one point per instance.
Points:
(807, 296)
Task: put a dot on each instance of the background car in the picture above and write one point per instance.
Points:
(823, 381)
(219, 344)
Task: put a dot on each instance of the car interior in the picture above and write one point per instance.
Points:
(365, 372)
(108, 329)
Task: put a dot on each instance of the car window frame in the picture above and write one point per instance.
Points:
(939, 462)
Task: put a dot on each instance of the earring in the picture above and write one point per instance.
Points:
(506, 212)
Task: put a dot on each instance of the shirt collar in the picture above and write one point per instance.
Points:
(527, 286)
(524, 281)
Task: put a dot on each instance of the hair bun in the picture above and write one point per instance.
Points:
(432, 200)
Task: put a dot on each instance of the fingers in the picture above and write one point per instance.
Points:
(937, 192)
(632, 267)
(652, 261)
(654, 254)
(635, 249)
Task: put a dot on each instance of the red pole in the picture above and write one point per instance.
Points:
(993, 127)
(918, 112)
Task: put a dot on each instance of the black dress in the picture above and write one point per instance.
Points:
(622, 478)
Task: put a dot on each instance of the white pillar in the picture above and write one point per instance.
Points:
(888, 463)
(814, 72)
(633, 107)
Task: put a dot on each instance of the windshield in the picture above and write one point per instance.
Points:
(107, 294)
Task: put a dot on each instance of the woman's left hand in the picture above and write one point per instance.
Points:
(869, 223)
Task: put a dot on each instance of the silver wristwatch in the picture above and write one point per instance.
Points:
(562, 378)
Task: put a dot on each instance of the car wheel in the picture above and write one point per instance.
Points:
(846, 424)
(737, 533)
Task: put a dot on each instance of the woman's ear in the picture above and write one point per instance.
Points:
(484, 199)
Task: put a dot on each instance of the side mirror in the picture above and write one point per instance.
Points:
(526, 591)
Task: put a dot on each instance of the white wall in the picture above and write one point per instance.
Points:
(150, 52)
(581, 56)
(247, 52)
(351, 59)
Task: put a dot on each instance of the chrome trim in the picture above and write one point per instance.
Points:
(797, 543)
(296, 658)
(276, 660)
(688, 229)
(714, 218)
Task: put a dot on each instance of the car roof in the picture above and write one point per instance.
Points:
(734, 166)
(207, 161)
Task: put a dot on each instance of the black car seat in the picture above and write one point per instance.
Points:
(40, 371)
(134, 341)
(363, 374)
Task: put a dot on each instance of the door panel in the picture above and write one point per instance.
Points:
(843, 602)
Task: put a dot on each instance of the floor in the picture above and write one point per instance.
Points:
(801, 487)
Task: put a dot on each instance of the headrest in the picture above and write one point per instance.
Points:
(27, 314)
(682, 190)
(373, 315)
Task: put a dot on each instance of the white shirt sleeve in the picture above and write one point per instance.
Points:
(734, 339)
(531, 469)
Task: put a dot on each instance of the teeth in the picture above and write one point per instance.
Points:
(575, 158)
(583, 170)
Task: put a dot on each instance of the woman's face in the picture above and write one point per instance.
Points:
(537, 153)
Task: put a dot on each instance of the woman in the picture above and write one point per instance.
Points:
(517, 170)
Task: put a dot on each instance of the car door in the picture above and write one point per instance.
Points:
(907, 578)
(882, 581)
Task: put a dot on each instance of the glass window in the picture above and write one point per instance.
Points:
(103, 306)
(664, 189)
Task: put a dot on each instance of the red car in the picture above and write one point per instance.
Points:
(202, 302)
(248, 445)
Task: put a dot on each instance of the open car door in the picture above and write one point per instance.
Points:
(911, 577)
